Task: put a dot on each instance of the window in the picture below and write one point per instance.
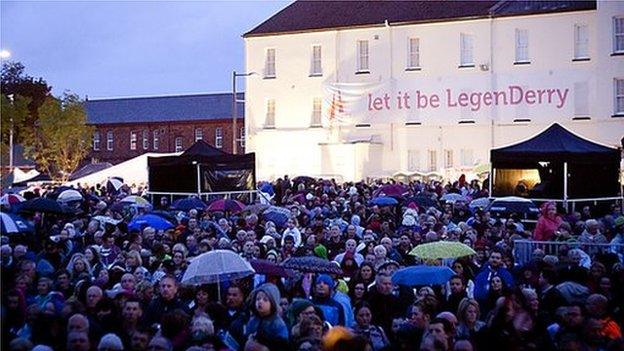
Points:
(619, 97)
(242, 137)
(317, 104)
(109, 140)
(96, 141)
(618, 35)
(448, 158)
(413, 53)
(145, 139)
(522, 46)
(269, 121)
(219, 137)
(433, 160)
(178, 144)
(413, 160)
(269, 65)
(199, 134)
(133, 140)
(466, 156)
(362, 57)
(466, 58)
(316, 69)
(581, 41)
(156, 141)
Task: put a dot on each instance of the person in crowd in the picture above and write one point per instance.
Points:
(375, 336)
(266, 327)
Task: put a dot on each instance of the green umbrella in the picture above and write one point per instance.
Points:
(442, 249)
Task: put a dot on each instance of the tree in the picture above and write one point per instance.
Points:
(14, 113)
(60, 138)
(15, 81)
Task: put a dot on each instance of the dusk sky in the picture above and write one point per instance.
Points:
(129, 48)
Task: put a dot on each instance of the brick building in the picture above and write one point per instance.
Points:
(128, 127)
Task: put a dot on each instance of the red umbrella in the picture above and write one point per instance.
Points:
(267, 267)
(393, 190)
(226, 205)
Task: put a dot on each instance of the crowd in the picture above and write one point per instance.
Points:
(85, 281)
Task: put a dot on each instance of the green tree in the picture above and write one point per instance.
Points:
(14, 113)
(60, 138)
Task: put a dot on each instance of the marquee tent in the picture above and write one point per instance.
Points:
(202, 169)
(536, 167)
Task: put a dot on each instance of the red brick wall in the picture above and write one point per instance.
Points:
(168, 132)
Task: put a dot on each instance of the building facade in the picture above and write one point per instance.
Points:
(373, 88)
(128, 127)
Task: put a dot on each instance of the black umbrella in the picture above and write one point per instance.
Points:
(44, 205)
(505, 206)
(422, 201)
(311, 264)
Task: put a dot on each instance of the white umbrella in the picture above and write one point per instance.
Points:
(69, 195)
(453, 197)
(215, 267)
(114, 183)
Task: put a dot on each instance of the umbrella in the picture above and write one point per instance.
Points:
(422, 275)
(256, 208)
(442, 249)
(107, 219)
(136, 201)
(384, 201)
(189, 204)
(453, 197)
(277, 215)
(41, 204)
(311, 264)
(215, 267)
(393, 190)
(12, 223)
(113, 184)
(166, 215)
(150, 220)
(69, 196)
(267, 188)
(423, 201)
(511, 204)
(481, 202)
(267, 267)
(223, 205)
(11, 199)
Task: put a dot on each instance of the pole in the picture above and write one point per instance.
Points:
(234, 112)
(11, 138)
(198, 181)
(565, 185)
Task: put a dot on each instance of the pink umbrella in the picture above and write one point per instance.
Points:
(393, 190)
(223, 205)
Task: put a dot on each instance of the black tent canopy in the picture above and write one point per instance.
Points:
(202, 169)
(536, 167)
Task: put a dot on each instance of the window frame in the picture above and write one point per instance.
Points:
(270, 63)
(449, 158)
(156, 139)
(145, 137)
(316, 63)
(617, 96)
(270, 114)
(110, 140)
(362, 57)
(219, 137)
(579, 56)
(133, 140)
(180, 147)
(464, 45)
(241, 140)
(521, 47)
(199, 134)
(432, 162)
(615, 35)
(96, 140)
(317, 113)
(410, 54)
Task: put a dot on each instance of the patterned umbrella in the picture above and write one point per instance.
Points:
(422, 275)
(311, 264)
(136, 201)
(223, 205)
(12, 223)
(11, 199)
(189, 204)
(442, 249)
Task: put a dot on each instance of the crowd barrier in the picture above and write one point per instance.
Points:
(246, 196)
(523, 249)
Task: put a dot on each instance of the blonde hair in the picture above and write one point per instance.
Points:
(463, 306)
(136, 255)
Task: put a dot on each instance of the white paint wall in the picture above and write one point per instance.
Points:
(294, 148)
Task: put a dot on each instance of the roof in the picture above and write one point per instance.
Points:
(202, 148)
(89, 169)
(163, 108)
(556, 143)
(322, 15)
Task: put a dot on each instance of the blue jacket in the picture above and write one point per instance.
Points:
(482, 280)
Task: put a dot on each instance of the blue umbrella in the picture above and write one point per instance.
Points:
(277, 215)
(384, 201)
(150, 220)
(189, 204)
(267, 188)
(422, 275)
(12, 224)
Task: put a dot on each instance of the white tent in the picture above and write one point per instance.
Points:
(133, 171)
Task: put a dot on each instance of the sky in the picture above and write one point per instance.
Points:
(105, 49)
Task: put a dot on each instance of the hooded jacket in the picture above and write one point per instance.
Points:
(271, 326)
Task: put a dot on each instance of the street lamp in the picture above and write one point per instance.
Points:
(235, 102)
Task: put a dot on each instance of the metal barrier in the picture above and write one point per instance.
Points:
(523, 249)
(246, 196)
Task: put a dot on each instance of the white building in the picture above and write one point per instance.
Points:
(355, 89)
